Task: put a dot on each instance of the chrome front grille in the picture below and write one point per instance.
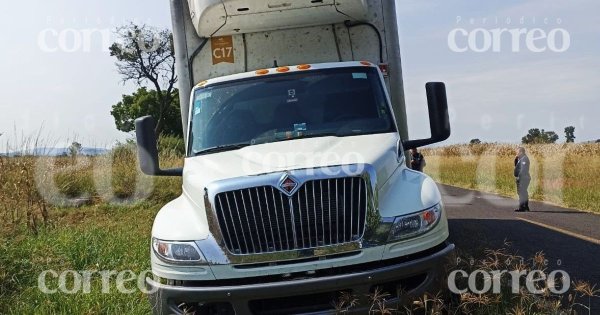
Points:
(320, 213)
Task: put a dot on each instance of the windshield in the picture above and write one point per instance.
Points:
(332, 102)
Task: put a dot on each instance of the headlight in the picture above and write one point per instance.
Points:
(415, 224)
(177, 252)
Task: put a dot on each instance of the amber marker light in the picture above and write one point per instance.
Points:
(283, 69)
(303, 67)
(262, 72)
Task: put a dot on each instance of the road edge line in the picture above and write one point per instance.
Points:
(557, 229)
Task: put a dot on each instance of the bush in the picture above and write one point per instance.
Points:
(170, 146)
(76, 183)
(20, 201)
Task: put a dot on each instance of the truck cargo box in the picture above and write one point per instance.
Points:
(229, 17)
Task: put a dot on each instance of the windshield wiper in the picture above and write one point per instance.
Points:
(223, 148)
(313, 135)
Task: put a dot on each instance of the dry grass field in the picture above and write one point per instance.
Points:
(563, 174)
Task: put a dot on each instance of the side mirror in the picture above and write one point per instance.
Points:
(148, 149)
(439, 122)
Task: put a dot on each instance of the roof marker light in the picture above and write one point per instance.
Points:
(365, 63)
(262, 72)
(303, 67)
(283, 69)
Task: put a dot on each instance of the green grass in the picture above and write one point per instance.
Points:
(111, 232)
(93, 238)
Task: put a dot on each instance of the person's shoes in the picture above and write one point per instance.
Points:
(522, 207)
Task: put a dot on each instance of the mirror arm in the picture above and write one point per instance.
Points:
(170, 172)
(412, 144)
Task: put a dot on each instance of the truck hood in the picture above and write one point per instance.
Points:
(401, 191)
(378, 150)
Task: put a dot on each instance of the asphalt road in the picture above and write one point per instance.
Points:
(570, 239)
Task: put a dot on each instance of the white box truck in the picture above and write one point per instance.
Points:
(295, 185)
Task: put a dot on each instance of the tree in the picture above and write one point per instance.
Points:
(570, 134)
(75, 149)
(145, 102)
(145, 55)
(549, 137)
(475, 141)
(536, 136)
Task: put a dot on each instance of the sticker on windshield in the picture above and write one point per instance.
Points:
(197, 107)
(204, 95)
(300, 127)
(292, 96)
(359, 75)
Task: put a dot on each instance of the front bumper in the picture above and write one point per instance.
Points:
(417, 272)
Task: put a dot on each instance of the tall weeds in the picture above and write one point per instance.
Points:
(577, 300)
(32, 185)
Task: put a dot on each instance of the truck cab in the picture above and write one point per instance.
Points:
(295, 190)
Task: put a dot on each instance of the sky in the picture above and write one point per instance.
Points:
(499, 85)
